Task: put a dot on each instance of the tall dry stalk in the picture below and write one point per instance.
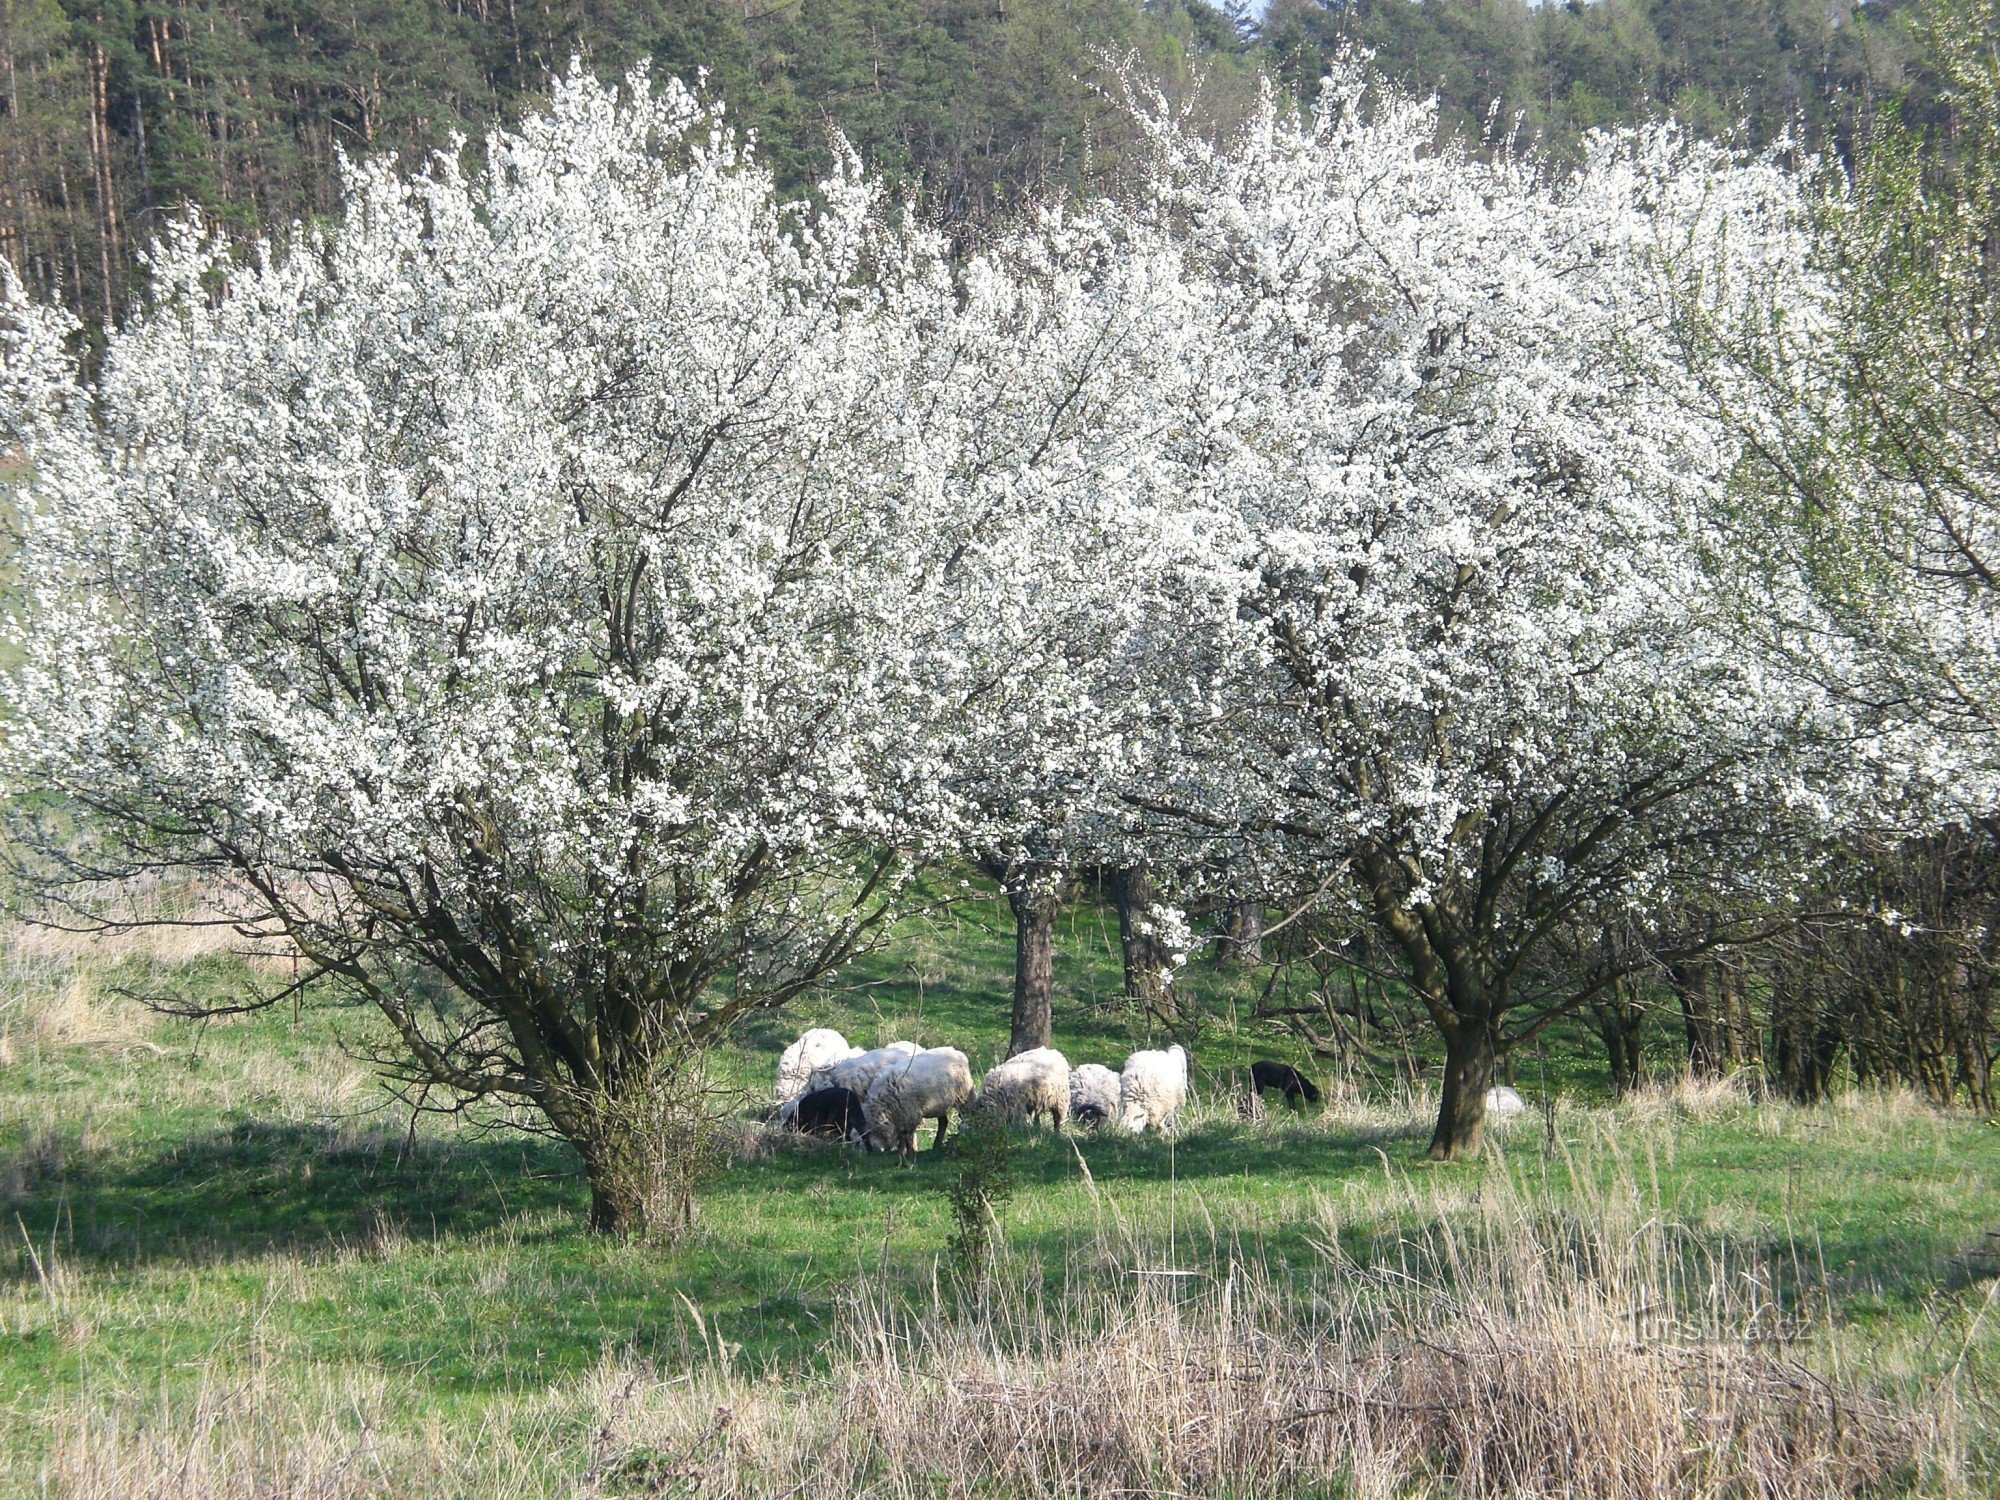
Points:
(1512, 1351)
(1549, 1330)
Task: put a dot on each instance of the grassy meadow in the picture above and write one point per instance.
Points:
(234, 1268)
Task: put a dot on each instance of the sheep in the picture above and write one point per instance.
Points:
(927, 1086)
(860, 1069)
(1296, 1087)
(1152, 1089)
(834, 1114)
(1027, 1085)
(1093, 1094)
(816, 1049)
(854, 1071)
(1502, 1101)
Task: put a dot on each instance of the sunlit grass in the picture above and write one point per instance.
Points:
(229, 1257)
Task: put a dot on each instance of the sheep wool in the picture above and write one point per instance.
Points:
(1093, 1094)
(1152, 1089)
(1027, 1085)
(858, 1070)
(926, 1086)
(854, 1070)
(816, 1049)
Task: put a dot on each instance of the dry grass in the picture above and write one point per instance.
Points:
(166, 922)
(265, 1434)
(1499, 1344)
(57, 984)
(1520, 1353)
(47, 1001)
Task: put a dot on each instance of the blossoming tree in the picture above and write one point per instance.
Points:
(511, 593)
(1467, 654)
(1862, 382)
(1068, 392)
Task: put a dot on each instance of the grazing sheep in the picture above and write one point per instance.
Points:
(1294, 1085)
(856, 1071)
(834, 1114)
(1093, 1094)
(1026, 1085)
(1152, 1089)
(927, 1086)
(860, 1070)
(1502, 1101)
(816, 1049)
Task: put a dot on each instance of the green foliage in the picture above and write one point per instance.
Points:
(1553, 70)
(978, 1184)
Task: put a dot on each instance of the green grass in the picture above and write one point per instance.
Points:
(187, 1202)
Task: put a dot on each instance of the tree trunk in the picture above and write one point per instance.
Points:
(1745, 1036)
(1242, 940)
(1805, 1040)
(615, 1169)
(1715, 1013)
(1468, 1074)
(1621, 1023)
(1035, 908)
(614, 1209)
(1145, 959)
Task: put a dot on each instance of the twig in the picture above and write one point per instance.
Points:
(1970, 1334)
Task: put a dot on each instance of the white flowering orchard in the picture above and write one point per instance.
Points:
(1075, 375)
(565, 593)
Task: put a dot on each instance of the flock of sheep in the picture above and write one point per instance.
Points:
(879, 1098)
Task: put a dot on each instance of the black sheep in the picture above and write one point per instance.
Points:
(1276, 1075)
(831, 1114)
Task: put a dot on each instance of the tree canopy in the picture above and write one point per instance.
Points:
(114, 113)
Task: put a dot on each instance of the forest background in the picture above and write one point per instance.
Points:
(116, 113)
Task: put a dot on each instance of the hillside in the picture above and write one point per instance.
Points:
(118, 111)
(1721, 66)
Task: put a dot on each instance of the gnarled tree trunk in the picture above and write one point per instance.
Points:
(1468, 1074)
(615, 1166)
(1146, 960)
(1035, 905)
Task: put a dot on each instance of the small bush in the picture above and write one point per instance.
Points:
(978, 1184)
(662, 1142)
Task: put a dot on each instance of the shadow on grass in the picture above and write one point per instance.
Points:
(263, 1186)
(786, 1232)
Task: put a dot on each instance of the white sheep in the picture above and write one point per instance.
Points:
(1502, 1101)
(854, 1071)
(816, 1049)
(858, 1070)
(1093, 1094)
(1027, 1085)
(927, 1086)
(1152, 1089)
